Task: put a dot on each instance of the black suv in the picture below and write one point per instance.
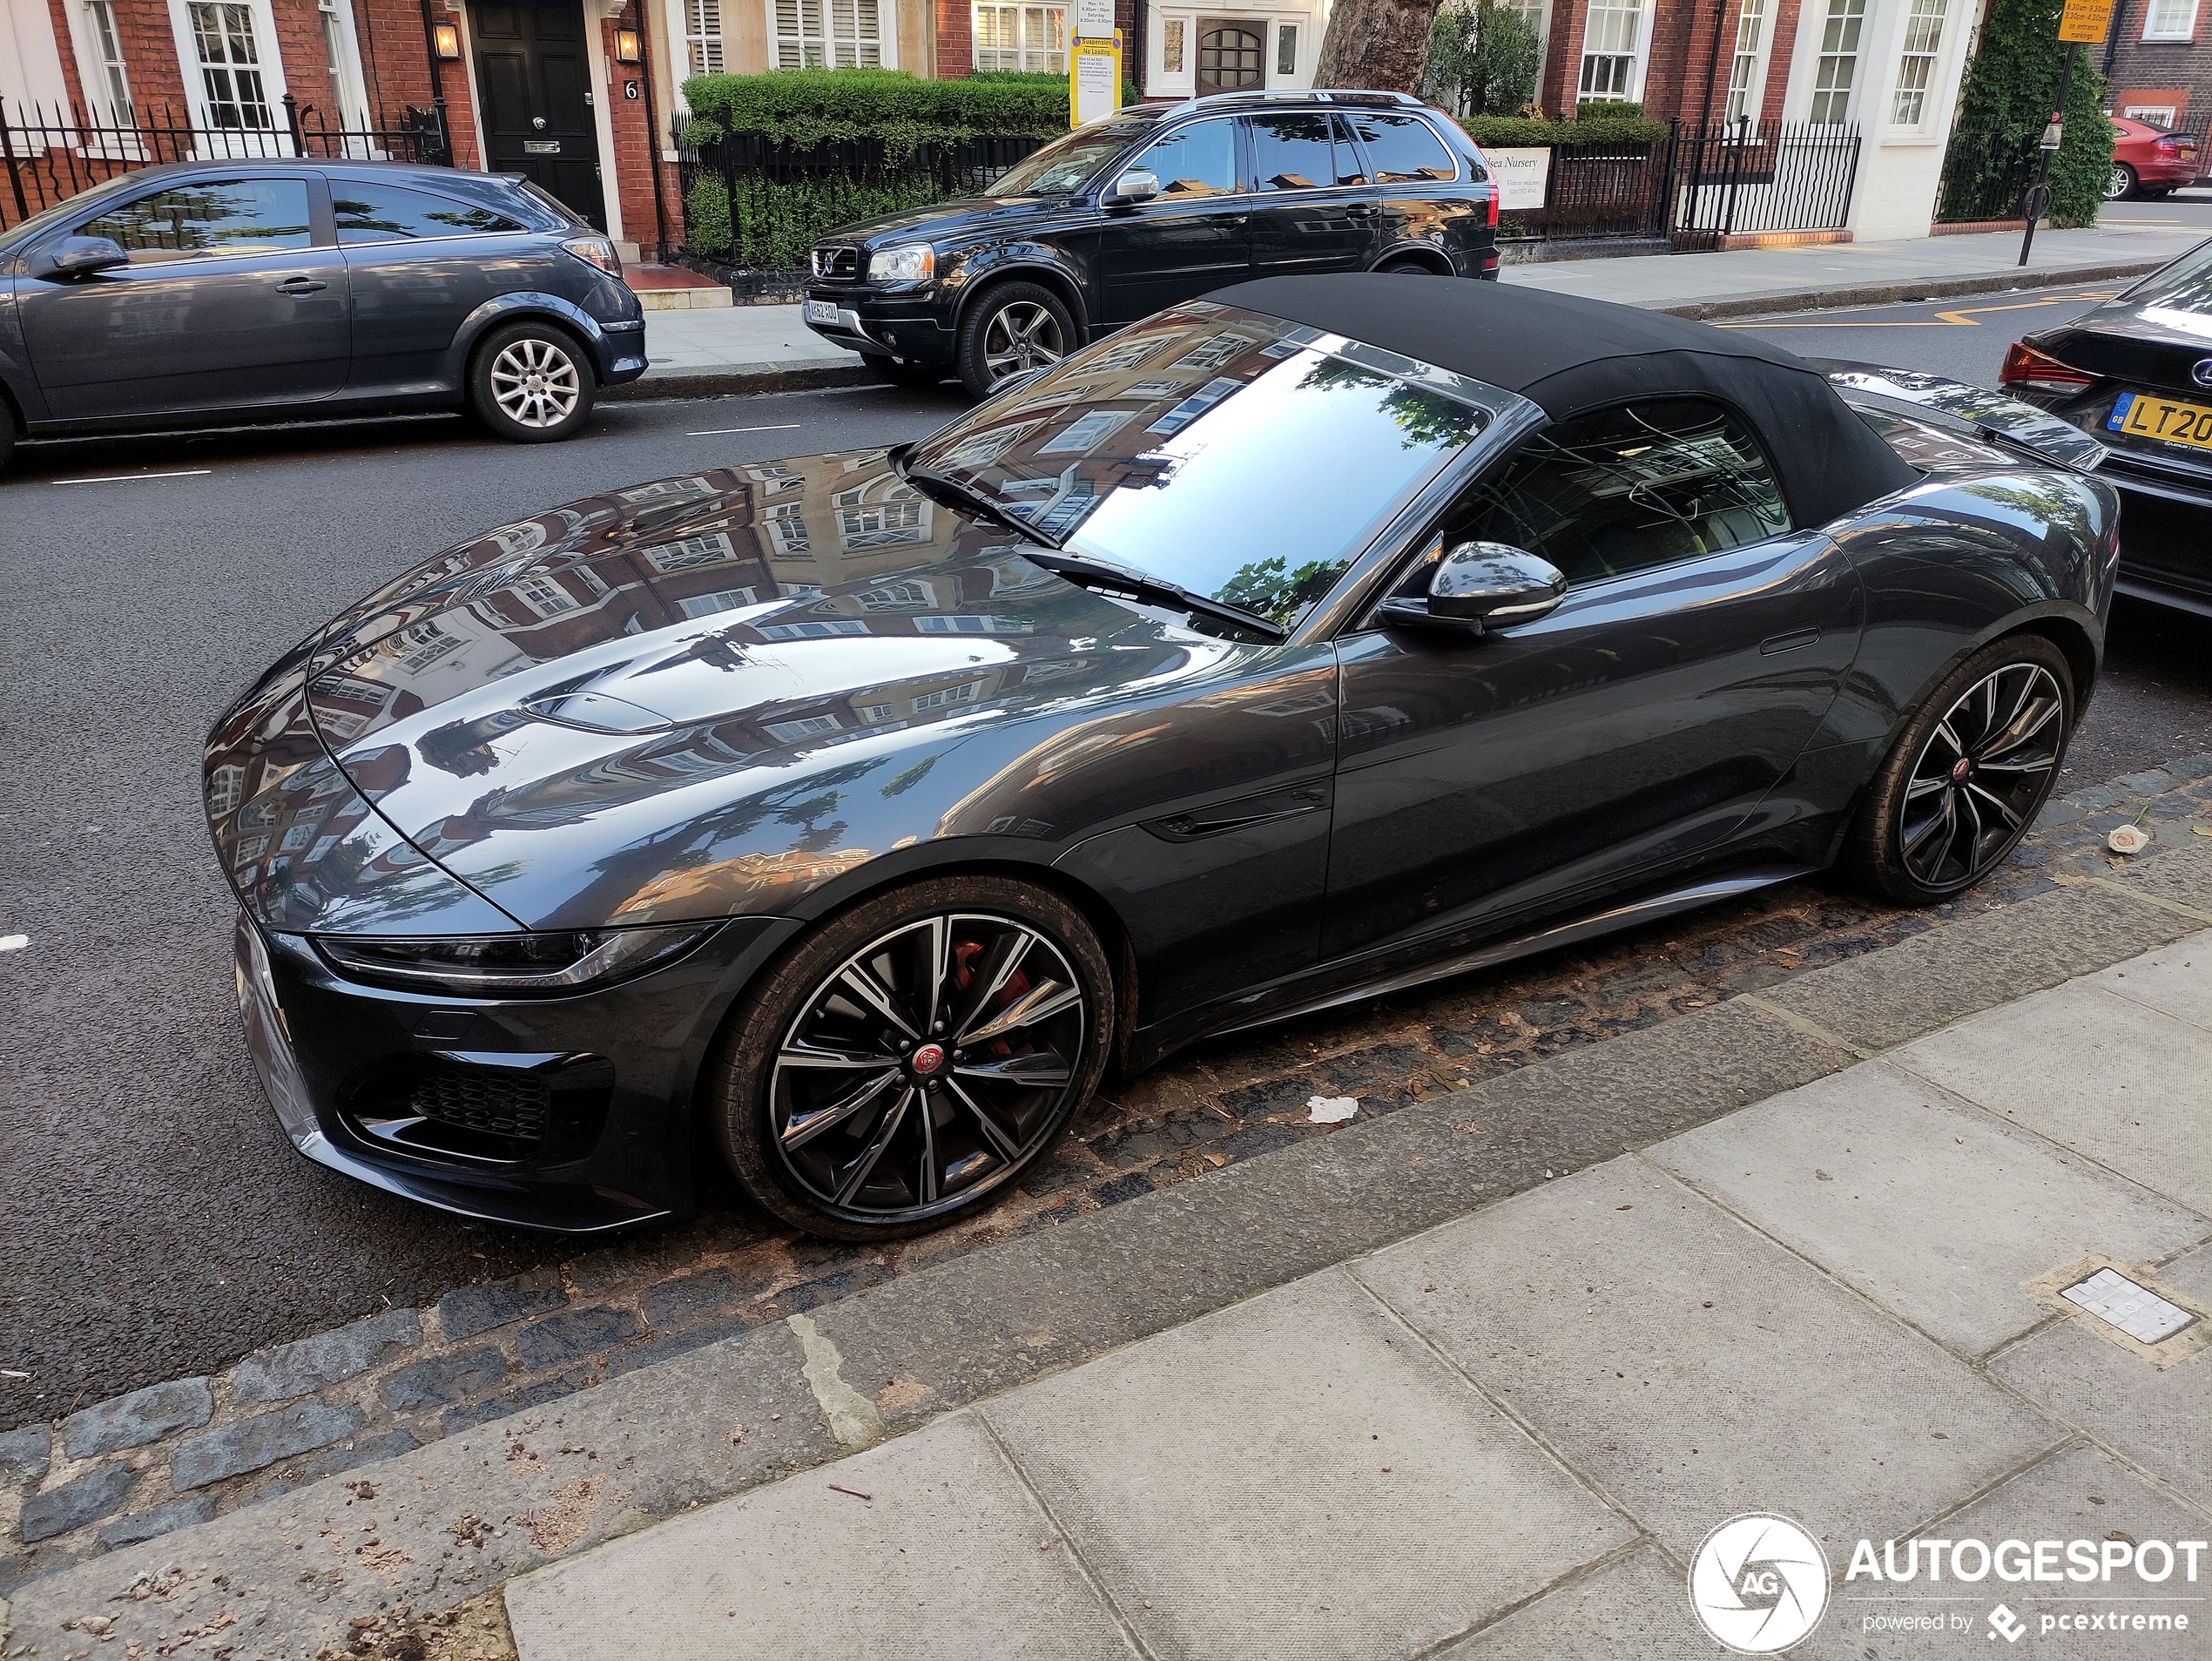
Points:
(1149, 207)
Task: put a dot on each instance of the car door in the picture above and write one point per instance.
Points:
(1309, 214)
(419, 263)
(1416, 188)
(1699, 644)
(1194, 236)
(232, 299)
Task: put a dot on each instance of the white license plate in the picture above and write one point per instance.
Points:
(821, 311)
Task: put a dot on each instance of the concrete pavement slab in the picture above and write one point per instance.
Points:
(2155, 1417)
(1932, 1208)
(1693, 1370)
(927, 1547)
(1298, 1474)
(2175, 980)
(2128, 1086)
(1634, 1608)
(1976, 963)
(2078, 1493)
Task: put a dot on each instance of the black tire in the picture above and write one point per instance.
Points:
(7, 434)
(918, 1140)
(513, 406)
(905, 372)
(1407, 268)
(1969, 772)
(1013, 329)
(2120, 183)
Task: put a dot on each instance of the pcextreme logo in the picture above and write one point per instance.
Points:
(1759, 1583)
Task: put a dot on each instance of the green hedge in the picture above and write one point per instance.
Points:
(1608, 109)
(814, 106)
(1509, 132)
(2011, 83)
(767, 226)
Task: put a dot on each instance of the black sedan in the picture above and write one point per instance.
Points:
(214, 293)
(2137, 373)
(853, 814)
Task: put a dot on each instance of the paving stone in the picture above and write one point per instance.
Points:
(1634, 1608)
(81, 1500)
(25, 1454)
(439, 1379)
(688, 1298)
(939, 1564)
(2128, 1086)
(2078, 1493)
(2156, 1416)
(162, 1519)
(2181, 874)
(498, 1406)
(1977, 964)
(1386, 1508)
(829, 1288)
(2176, 979)
(560, 1339)
(340, 1457)
(134, 1420)
(475, 1309)
(1666, 1351)
(300, 1369)
(668, 1345)
(231, 1449)
(1936, 1211)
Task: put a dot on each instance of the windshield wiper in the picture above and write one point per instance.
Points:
(1113, 579)
(967, 495)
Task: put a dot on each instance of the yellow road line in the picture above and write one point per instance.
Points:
(1961, 318)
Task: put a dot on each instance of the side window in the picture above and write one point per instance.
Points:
(381, 213)
(1626, 490)
(208, 220)
(1403, 149)
(1200, 160)
(1350, 169)
(1293, 152)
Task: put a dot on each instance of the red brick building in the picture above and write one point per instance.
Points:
(2158, 64)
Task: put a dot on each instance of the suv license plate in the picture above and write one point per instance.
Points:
(2141, 414)
(821, 311)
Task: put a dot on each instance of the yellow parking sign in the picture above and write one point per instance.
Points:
(2085, 22)
(1094, 78)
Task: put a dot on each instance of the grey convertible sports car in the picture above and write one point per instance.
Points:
(853, 814)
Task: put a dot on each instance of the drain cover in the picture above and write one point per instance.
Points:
(2137, 1311)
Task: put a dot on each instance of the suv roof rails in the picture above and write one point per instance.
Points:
(1294, 94)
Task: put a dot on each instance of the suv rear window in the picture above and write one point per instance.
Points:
(1402, 149)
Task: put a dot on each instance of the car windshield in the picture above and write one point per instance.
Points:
(2182, 290)
(1232, 454)
(1065, 166)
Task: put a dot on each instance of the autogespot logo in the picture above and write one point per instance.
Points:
(1758, 1584)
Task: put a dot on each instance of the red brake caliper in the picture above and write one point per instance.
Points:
(967, 954)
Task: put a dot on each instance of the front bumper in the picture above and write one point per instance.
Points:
(2165, 537)
(622, 351)
(604, 1136)
(916, 326)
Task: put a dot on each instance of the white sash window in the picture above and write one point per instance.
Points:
(831, 34)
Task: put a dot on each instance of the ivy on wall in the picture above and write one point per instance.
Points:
(2011, 86)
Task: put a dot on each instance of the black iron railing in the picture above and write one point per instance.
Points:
(51, 152)
(1739, 178)
(1596, 191)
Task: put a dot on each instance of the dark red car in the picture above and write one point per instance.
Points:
(2149, 162)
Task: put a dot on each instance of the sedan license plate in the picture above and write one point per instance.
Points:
(2141, 414)
(821, 311)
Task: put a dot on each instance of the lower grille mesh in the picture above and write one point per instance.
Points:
(471, 1101)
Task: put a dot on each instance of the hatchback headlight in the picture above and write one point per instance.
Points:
(505, 965)
(907, 264)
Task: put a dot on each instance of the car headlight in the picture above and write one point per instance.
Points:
(504, 965)
(596, 251)
(907, 264)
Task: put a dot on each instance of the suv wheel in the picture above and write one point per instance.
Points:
(903, 372)
(1408, 268)
(531, 384)
(1015, 329)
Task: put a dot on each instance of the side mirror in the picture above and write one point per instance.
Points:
(74, 257)
(1132, 187)
(1478, 586)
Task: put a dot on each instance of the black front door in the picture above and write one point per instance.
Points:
(535, 73)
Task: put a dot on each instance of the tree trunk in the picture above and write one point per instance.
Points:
(1376, 45)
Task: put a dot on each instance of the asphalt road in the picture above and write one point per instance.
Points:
(154, 1222)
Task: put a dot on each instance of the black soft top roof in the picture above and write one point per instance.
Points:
(1568, 355)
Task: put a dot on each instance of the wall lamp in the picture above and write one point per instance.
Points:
(626, 49)
(447, 38)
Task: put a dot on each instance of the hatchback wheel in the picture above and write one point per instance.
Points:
(900, 1067)
(2120, 182)
(1968, 774)
(531, 384)
(1011, 331)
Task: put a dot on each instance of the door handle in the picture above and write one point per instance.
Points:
(300, 286)
(1791, 642)
(1362, 210)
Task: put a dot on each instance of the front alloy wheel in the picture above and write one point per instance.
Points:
(894, 1084)
(1014, 328)
(530, 383)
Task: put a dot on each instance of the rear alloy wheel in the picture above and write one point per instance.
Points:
(903, 372)
(913, 1055)
(2120, 183)
(1969, 773)
(531, 384)
(1011, 331)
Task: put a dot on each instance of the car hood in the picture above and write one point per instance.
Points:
(709, 695)
(952, 220)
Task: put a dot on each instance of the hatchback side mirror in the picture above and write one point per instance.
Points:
(1478, 586)
(1132, 187)
(74, 257)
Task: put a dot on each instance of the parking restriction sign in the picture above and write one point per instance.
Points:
(2085, 22)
